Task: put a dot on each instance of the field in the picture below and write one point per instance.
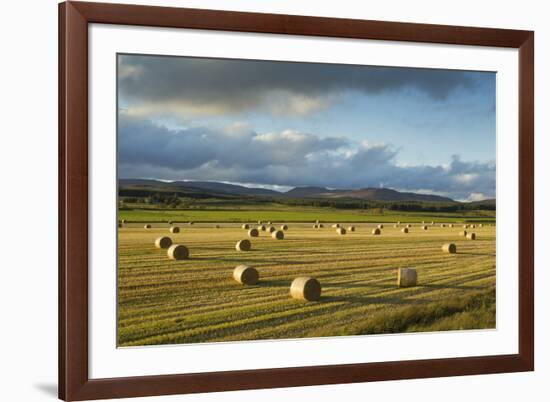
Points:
(168, 302)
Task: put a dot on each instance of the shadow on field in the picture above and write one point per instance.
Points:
(450, 286)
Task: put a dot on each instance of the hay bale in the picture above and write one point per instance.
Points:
(170, 222)
(217, 226)
(269, 222)
(463, 233)
(473, 226)
(305, 288)
(351, 229)
(480, 225)
(259, 222)
(406, 277)
(174, 229)
(246, 275)
(405, 230)
(336, 226)
(396, 225)
(451, 225)
(245, 226)
(376, 231)
(278, 235)
(243, 245)
(253, 232)
(471, 236)
(424, 227)
(442, 225)
(120, 224)
(321, 225)
(449, 248)
(408, 226)
(465, 227)
(147, 226)
(341, 231)
(123, 221)
(163, 242)
(381, 226)
(262, 228)
(178, 252)
(271, 229)
(315, 226)
(191, 223)
(284, 227)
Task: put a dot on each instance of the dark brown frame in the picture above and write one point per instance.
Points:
(74, 17)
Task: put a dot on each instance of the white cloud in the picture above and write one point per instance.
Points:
(288, 158)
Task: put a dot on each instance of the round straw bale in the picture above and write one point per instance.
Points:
(463, 233)
(351, 229)
(163, 242)
(315, 226)
(217, 226)
(243, 245)
(262, 228)
(123, 221)
(341, 231)
(278, 234)
(406, 277)
(408, 225)
(449, 248)
(147, 226)
(380, 226)
(473, 226)
(465, 227)
(405, 230)
(191, 223)
(480, 225)
(304, 288)
(336, 226)
(170, 222)
(321, 225)
(442, 225)
(119, 224)
(376, 231)
(424, 227)
(259, 222)
(451, 225)
(174, 229)
(178, 252)
(253, 232)
(269, 222)
(471, 236)
(271, 229)
(284, 227)
(246, 275)
(245, 226)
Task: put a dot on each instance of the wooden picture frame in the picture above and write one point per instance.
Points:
(74, 381)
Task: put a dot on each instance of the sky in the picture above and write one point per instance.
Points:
(285, 124)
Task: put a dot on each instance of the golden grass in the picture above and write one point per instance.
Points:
(197, 300)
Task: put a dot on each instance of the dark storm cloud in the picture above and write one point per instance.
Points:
(288, 158)
(151, 84)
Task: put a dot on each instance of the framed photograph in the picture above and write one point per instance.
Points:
(259, 200)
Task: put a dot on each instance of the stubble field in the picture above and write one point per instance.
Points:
(161, 301)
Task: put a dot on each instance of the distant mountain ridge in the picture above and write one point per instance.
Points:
(138, 186)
